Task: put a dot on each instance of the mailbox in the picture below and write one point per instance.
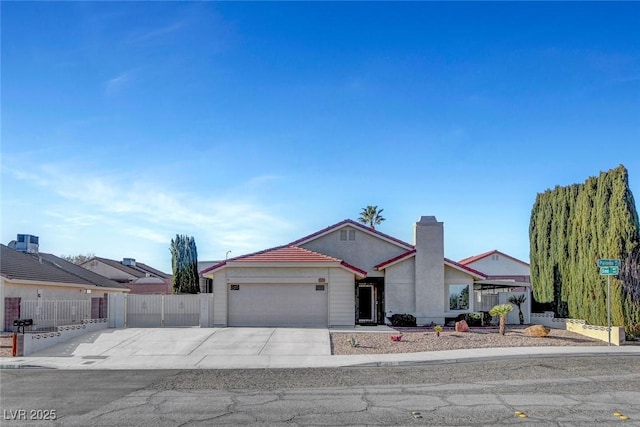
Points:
(21, 323)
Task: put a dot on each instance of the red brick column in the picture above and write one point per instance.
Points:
(11, 312)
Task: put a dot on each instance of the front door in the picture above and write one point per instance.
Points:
(366, 304)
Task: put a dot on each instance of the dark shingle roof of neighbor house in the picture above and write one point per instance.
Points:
(38, 267)
(18, 265)
(152, 270)
(140, 269)
(81, 272)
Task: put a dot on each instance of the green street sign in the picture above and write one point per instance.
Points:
(609, 271)
(608, 263)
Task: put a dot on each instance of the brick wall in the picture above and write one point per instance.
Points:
(6, 345)
(11, 312)
(99, 307)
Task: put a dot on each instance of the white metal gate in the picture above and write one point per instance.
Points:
(48, 315)
(157, 311)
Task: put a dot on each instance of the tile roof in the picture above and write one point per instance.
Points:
(285, 254)
(393, 260)
(464, 267)
(353, 224)
(48, 268)
(474, 258)
(412, 252)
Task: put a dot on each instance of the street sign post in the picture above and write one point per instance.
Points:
(608, 263)
(609, 267)
(609, 271)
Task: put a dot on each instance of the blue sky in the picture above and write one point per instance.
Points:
(249, 125)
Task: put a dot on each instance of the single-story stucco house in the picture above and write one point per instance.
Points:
(348, 274)
(30, 276)
(138, 277)
(498, 265)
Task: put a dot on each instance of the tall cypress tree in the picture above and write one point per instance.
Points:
(571, 227)
(184, 265)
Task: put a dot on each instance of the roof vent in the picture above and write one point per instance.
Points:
(129, 262)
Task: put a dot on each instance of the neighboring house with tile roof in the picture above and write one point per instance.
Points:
(499, 266)
(343, 275)
(136, 276)
(40, 276)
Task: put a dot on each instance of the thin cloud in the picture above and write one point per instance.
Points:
(147, 234)
(158, 213)
(160, 31)
(116, 84)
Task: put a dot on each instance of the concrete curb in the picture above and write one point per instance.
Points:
(496, 357)
(305, 362)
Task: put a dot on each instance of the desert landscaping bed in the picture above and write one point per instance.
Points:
(423, 339)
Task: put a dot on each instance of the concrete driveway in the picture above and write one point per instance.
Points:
(195, 342)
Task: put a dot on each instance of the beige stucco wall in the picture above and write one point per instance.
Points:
(502, 266)
(220, 299)
(340, 286)
(105, 270)
(49, 293)
(400, 291)
(580, 327)
(341, 298)
(364, 252)
(453, 276)
(429, 262)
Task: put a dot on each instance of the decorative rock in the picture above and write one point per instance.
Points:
(537, 331)
(462, 326)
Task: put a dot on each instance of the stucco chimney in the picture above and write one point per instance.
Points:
(430, 292)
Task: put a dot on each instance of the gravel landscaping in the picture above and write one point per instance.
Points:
(425, 339)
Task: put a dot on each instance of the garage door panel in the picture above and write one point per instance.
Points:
(277, 305)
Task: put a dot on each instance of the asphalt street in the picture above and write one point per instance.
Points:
(558, 391)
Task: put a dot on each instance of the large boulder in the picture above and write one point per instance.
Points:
(462, 326)
(537, 331)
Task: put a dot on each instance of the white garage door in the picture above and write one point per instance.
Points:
(278, 305)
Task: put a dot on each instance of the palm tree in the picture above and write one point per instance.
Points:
(501, 310)
(371, 216)
(518, 300)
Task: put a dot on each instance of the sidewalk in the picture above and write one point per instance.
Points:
(296, 361)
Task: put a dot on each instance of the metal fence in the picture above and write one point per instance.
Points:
(485, 301)
(156, 311)
(48, 315)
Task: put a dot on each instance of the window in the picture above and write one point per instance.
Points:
(319, 287)
(347, 234)
(458, 297)
(495, 257)
(235, 287)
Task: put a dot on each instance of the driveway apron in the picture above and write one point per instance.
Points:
(195, 342)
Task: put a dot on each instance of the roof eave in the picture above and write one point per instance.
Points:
(351, 223)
